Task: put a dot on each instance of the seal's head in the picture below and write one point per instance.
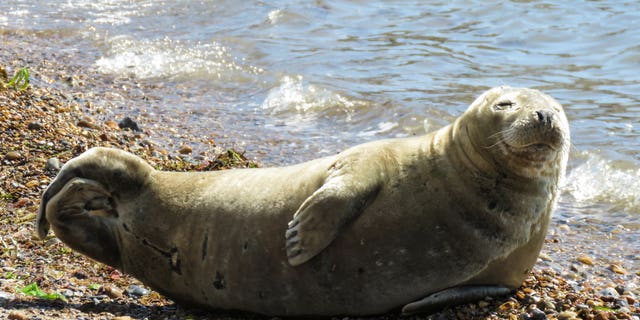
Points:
(521, 130)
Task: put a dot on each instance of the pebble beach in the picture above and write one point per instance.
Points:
(63, 112)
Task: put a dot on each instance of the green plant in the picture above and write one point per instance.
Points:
(7, 197)
(20, 80)
(94, 286)
(34, 291)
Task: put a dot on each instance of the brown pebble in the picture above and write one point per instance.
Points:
(618, 269)
(111, 125)
(17, 315)
(185, 149)
(122, 318)
(21, 202)
(509, 305)
(86, 123)
(567, 315)
(13, 155)
(585, 259)
(604, 315)
(594, 303)
(32, 184)
(112, 291)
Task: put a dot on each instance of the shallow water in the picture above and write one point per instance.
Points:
(294, 80)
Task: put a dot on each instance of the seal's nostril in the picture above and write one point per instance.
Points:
(544, 117)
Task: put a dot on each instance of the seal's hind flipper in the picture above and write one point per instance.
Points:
(453, 296)
(324, 214)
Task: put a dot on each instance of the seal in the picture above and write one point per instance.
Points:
(418, 223)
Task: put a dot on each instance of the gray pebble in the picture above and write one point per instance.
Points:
(537, 314)
(138, 291)
(34, 125)
(53, 164)
(532, 299)
(610, 293)
(6, 295)
(128, 123)
(621, 303)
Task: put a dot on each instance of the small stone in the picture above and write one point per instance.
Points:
(185, 149)
(72, 81)
(13, 156)
(618, 269)
(483, 304)
(594, 303)
(17, 315)
(128, 123)
(537, 314)
(138, 291)
(621, 303)
(111, 291)
(111, 125)
(53, 164)
(34, 125)
(609, 293)
(604, 315)
(6, 295)
(585, 259)
(122, 318)
(544, 257)
(86, 123)
(582, 307)
(21, 203)
(576, 268)
(508, 306)
(567, 315)
(531, 299)
(548, 304)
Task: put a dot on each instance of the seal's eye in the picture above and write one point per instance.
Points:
(503, 105)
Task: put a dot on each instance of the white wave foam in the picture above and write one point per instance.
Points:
(600, 180)
(274, 16)
(293, 96)
(113, 12)
(381, 128)
(165, 58)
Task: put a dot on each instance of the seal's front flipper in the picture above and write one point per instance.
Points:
(453, 296)
(324, 214)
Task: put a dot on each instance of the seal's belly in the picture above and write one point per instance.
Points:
(242, 262)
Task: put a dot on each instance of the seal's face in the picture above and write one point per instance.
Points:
(522, 128)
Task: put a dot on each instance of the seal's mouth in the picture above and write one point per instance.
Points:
(537, 147)
(534, 145)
